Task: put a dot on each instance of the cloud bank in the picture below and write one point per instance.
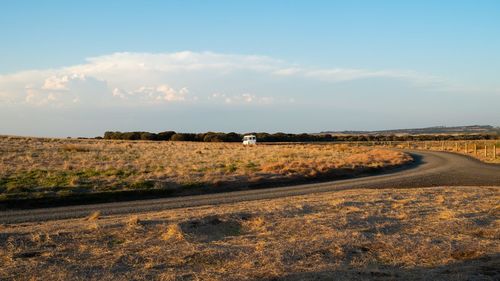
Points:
(124, 79)
(204, 91)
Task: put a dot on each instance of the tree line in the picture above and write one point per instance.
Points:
(284, 137)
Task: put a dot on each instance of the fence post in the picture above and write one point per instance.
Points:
(494, 151)
(485, 150)
(456, 146)
(475, 149)
(466, 147)
(442, 145)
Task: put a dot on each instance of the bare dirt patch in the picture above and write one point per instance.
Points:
(211, 228)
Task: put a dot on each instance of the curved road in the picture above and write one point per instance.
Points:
(430, 169)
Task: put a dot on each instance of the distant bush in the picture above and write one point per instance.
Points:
(148, 136)
(177, 137)
(214, 137)
(284, 137)
(233, 137)
(183, 137)
(165, 136)
(222, 137)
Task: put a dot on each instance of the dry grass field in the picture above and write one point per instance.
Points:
(38, 167)
(442, 233)
(485, 150)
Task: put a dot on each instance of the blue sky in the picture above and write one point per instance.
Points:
(83, 67)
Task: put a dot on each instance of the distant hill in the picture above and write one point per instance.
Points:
(474, 129)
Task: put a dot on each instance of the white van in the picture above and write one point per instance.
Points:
(249, 140)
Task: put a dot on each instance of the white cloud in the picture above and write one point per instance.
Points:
(189, 62)
(65, 90)
(55, 83)
(335, 75)
(173, 62)
(62, 82)
(287, 71)
(161, 93)
(245, 98)
(166, 77)
(39, 97)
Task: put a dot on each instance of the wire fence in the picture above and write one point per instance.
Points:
(485, 150)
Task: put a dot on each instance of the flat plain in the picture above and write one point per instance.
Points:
(427, 233)
(41, 167)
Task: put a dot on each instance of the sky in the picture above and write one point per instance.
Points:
(80, 68)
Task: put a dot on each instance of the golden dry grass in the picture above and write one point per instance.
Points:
(50, 167)
(443, 233)
(94, 216)
(479, 149)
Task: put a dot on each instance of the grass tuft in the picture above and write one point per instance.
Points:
(172, 233)
(94, 216)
